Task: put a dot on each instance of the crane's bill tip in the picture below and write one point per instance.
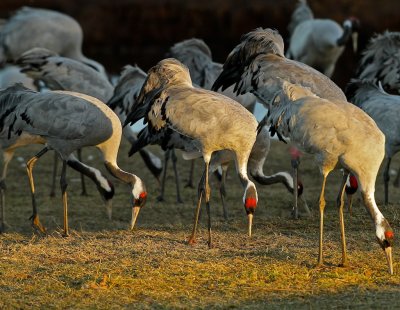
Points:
(135, 213)
(250, 217)
(389, 258)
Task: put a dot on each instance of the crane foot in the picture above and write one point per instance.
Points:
(36, 223)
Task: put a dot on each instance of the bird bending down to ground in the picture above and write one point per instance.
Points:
(319, 42)
(258, 62)
(337, 134)
(33, 27)
(384, 109)
(321, 123)
(61, 73)
(196, 55)
(67, 121)
(209, 121)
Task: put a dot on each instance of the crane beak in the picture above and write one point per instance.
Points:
(135, 213)
(388, 253)
(250, 217)
(109, 209)
(354, 37)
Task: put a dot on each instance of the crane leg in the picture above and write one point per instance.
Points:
(29, 168)
(340, 204)
(167, 154)
(7, 156)
(207, 194)
(63, 185)
(222, 191)
(200, 192)
(177, 183)
(350, 203)
(189, 182)
(396, 182)
(84, 191)
(386, 178)
(295, 165)
(53, 183)
(321, 220)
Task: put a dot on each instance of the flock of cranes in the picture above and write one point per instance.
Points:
(204, 108)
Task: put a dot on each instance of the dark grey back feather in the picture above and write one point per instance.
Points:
(381, 60)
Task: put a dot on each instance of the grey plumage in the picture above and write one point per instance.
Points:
(319, 42)
(257, 65)
(65, 122)
(384, 109)
(61, 73)
(300, 14)
(213, 121)
(33, 27)
(338, 134)
(380, 61)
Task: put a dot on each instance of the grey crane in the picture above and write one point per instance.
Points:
(66, 121)
(319, 42)
(380, 61)
(384, 109)
(209, 121)
(258, 62)
(196, 55)
(338, 134)
(35, 27)
(321, 123)
(61, 73)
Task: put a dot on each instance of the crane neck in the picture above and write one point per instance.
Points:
(347, 31)
(120, 174)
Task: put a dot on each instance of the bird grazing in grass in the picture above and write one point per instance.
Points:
(319, 42)
(34, 27)
(384, 109)
(258, 63)
(337, 134)
(308, 108)
(67, 121)
(255, 165)
(209, 121)
(61, 73)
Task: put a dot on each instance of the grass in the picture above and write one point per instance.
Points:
(103, 265)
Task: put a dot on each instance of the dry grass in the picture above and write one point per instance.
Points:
(103, 265)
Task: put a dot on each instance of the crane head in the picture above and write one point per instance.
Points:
(385, 238)
(250, 200)
(139, 198)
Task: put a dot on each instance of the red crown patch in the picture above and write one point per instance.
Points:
(389, 234)
(250, 203)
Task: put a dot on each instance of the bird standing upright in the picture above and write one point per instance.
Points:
(208, 121)
(67, 121)
(319, 42)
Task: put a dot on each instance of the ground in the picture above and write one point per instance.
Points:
(105, 265)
